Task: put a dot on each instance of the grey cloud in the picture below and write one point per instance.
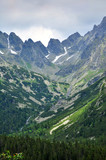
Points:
(64, 15)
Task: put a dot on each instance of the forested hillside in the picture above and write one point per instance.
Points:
(80, 116)
(46, 150)
(24, 95)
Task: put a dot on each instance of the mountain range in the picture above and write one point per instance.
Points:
(57, 91)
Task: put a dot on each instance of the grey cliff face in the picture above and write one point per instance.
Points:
(55, 47)
(31, 53)
(15, 41)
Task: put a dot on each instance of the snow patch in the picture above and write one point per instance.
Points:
(1, 52)
(47, 56)
(13, 52)
(60, 62)
(9, 47)
(12, 47)
(8, 43)
(69, 47)
(69, 57)
(57, 57)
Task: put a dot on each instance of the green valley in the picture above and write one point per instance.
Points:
(84, 118)
(53, 98)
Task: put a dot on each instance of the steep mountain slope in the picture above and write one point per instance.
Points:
(32, 54)
(89, 120)
(3, 41)
(14, 50)
(24, 94)
(72, 39)
(82, 115)
(74, 56)
(15, 42)
(89, 50)
(55, 48)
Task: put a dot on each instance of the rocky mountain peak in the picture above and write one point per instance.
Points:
(103, 20)
(55, 46)
(15, 41)
(3, 40)
(41, 47)
(101, 28)
(32, 53)
(53, 42)
(74, 37)
(71, 39)
(103, 24)
(75, 50)
(39, 43)
(13, 34)
(28, 43)
(5, 34)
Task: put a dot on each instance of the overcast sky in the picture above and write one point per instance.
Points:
(45, 19)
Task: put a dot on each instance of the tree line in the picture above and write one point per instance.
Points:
(42, 149)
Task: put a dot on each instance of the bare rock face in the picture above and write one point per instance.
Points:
(71, 40)
(68, 56)
(33, 54)
(15, 42)
(55, 47)
(3, 40)
(42, 47)
(91, 50)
